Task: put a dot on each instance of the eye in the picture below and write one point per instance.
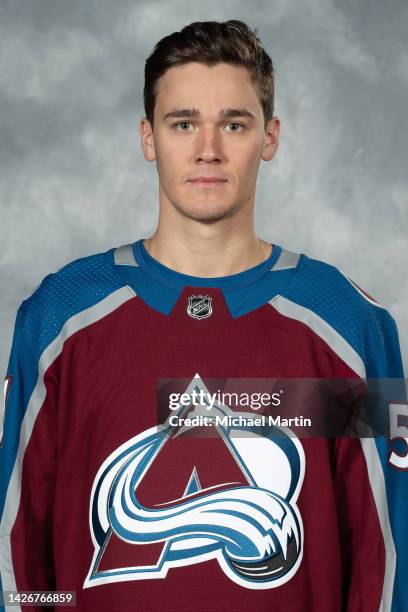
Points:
(179, 124)
(239, 125)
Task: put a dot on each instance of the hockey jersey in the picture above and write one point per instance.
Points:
(100, 497)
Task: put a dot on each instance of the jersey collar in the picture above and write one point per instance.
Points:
(177, 280)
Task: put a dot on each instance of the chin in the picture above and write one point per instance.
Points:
(208, 212)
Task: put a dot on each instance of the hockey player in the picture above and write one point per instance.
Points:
(102, 498)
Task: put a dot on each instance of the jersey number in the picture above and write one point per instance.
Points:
(398, 430)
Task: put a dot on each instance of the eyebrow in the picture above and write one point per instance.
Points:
(225, 113)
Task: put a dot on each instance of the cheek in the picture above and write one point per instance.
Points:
(173, 145)
(246, 161)
(169, 164)
(171, 159)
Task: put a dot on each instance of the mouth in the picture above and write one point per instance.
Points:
(207, 182)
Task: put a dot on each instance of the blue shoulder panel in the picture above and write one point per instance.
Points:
(75, 287)
(326, 291)
(372, 332)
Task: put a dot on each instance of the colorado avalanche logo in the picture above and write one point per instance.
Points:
(163, 500)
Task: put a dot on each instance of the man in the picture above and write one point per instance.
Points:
(131, 511)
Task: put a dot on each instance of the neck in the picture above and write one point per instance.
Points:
(207, 250)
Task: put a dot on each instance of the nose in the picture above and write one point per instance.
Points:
(208, 145)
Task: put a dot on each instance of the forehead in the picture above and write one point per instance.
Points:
(206, 87)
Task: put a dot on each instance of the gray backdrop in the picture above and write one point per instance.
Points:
(74, 181)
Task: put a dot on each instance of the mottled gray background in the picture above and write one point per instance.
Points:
(73, 179)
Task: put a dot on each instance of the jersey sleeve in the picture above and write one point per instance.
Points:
(390, 466)
(371, 480)
(27, 468)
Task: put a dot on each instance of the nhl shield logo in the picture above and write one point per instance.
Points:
(199, 306)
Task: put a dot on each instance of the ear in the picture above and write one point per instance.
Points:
(271, 139)
(146, 139)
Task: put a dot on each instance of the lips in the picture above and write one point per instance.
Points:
(207, 184)
(207, 179)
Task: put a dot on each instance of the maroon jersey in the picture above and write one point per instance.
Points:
(106, 495)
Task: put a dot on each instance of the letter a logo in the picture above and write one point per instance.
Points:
(167, 498)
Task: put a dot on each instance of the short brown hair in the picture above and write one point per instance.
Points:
(210, 43)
